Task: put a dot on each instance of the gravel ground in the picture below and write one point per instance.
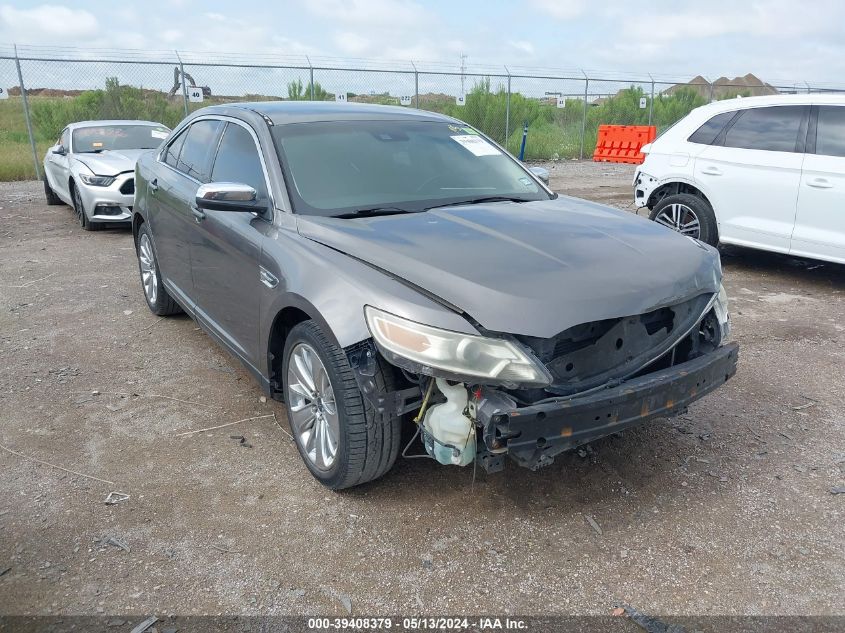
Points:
(727, 509)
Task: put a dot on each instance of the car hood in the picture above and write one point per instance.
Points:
(533, 268)
(111, 162)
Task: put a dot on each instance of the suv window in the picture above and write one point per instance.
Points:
(708, 132)
(238, 161)
(774, 129)
(171, 156)
(830, 131)
(198, 148)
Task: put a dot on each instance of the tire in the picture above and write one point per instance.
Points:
(155, 294)
(681, 209)
(79, 209)
(366, 448)
(52, 198)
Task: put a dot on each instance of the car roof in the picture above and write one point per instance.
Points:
(108, 122)
(772, 100)
(283, 112)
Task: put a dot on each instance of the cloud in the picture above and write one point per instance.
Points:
(46, 23)
(560, 9)
(521, 46)
(392, 14)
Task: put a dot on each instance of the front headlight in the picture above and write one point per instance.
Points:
(465, 357)
(720, 306)
(96, 181)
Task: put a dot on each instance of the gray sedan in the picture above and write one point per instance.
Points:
(92, 168)
(378, 268)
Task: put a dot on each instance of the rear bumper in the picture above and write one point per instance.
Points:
(533, 435)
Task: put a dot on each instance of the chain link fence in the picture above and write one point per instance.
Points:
(43, 89)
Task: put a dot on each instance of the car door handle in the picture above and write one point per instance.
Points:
(153, 185)
(819, 183)
(199, 215)
(711, 171)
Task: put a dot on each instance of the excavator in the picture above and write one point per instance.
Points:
(177, 84)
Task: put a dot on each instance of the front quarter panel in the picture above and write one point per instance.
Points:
(333, 288)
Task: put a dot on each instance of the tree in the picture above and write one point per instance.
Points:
(299, 92)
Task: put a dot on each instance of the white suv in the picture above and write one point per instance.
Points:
(763, 172)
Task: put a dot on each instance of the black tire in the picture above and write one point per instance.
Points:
(79, 209)
(52, 198)
(161, 303)
(708, 229)
(367, 447)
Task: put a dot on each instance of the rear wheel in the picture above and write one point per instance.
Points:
(341, 439)
(52, 198)
(79, 209)
(158, 300)
(689, 215)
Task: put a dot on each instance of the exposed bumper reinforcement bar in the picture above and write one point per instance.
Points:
(533, 435)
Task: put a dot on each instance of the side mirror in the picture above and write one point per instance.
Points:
(541, 172)
(228, 196)
(60, 150)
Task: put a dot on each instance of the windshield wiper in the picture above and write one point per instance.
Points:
(373, 211)
(482, 200)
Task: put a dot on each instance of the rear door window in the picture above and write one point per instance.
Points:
(198, 149)
(708, 132)
(171, 156)
(773, 129)
(238, 160)
(830, 131)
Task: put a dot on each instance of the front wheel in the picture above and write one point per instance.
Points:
(689, 215)
(341, 439)
(79, 209)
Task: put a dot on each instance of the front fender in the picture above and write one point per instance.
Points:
(332, 288)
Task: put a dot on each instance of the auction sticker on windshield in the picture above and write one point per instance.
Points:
(476, 145)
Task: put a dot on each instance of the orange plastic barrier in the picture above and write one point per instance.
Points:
(622, 143)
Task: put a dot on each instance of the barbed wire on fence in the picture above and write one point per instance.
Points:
(46, 87)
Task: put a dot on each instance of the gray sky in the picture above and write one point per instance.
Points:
(774, 39)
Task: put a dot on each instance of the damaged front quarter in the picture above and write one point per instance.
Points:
(592, 380)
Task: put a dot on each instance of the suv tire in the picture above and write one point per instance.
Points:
(335, 412)
(155, 294)
(681, 209)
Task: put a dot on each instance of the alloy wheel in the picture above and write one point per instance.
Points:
(313, 410)
(149, 275)
(680, 218)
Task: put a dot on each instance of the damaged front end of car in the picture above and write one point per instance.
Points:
(482, 398)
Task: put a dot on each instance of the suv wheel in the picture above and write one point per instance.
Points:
(687, 214)
(158, 300)
(339, 436)
(52, 198)
(79, 209)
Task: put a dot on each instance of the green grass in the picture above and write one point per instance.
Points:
(15, 153)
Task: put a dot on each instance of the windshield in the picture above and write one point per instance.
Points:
(112, 137)
(340, 167)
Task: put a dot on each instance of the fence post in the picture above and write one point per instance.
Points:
(651, 103)
(712, 84)
(508, 110)
(26, 116)
(310, 77)
(416, 86)
(584, 119)
(184, 85)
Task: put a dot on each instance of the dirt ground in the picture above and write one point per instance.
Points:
(728, 509)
